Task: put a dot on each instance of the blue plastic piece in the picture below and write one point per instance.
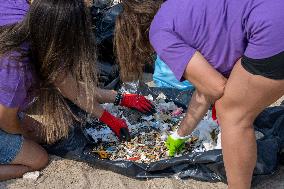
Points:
(163, 77)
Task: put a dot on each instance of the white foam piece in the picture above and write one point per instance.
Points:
(31, 175)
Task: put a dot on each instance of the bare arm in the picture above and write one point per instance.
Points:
(198, 106)
(205, 78)
(105, 96)
(77, 94)
(210, 86)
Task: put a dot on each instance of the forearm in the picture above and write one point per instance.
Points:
(91, 102)
(105, 96)
(87, 99)
(198, 106)
(210, 86)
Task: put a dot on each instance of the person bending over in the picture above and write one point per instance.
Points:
(206, 42)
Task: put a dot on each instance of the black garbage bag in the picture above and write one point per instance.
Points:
(206, 166)
(104, 13)
(108, 75)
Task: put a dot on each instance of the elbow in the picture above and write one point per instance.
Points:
(218, 91)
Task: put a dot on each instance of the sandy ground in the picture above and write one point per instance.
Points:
(62, 173)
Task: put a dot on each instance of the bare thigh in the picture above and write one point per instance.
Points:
(246, 95)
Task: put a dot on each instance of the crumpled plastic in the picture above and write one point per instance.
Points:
(164, 77)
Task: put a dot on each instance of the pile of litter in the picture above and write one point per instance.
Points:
(149, 133)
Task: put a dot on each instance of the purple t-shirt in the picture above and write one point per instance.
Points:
(16, 78)
(222, 30)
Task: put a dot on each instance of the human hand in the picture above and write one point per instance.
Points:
(137, 102)
(117, 125)
(175, 145)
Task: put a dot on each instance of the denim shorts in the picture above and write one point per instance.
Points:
(10, 146)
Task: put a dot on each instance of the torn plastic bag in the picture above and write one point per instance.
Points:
(206, 166)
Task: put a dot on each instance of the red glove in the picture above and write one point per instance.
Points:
(214, 114)
(137, 102)
(117, 125)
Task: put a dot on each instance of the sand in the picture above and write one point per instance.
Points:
(62, 173)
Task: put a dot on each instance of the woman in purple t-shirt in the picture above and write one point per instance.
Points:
(232, 51)
(47, 51)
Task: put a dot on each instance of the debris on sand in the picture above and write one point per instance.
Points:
(31, 175)
(149, 133)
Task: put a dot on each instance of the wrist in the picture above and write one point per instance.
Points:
(118, 98)
(177, 135)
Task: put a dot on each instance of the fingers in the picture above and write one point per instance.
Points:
(138, 102)
(124, 134)
(149, 108)
(146, 106)
(146, 109)
(171, 149)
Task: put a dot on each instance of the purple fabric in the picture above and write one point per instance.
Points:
(16, 78)
(12, 11)
(222, 30)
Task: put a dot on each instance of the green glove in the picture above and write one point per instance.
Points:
(175, 145)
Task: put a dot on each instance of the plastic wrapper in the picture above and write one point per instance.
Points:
(206, 166)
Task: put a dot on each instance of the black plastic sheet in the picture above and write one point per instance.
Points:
(104, 14)
(205, 166)
(108, 75)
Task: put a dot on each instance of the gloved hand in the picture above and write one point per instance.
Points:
(137, 102)
(175, 143)
(117, 125)
(214, 113)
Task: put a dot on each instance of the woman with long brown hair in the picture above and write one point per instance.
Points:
(231, 51)
(47, 54)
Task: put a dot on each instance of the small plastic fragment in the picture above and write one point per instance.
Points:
(103, 154)
(148, 134)
(31, 175)
(133, 158)
(177, 112)
(258, 135)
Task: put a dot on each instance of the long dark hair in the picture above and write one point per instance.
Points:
(61, 42)
(132, 45)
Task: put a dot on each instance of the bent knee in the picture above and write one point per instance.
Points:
(32, 155)
(40, 161)
(218, 92)
(231, 114)
(214, 95)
